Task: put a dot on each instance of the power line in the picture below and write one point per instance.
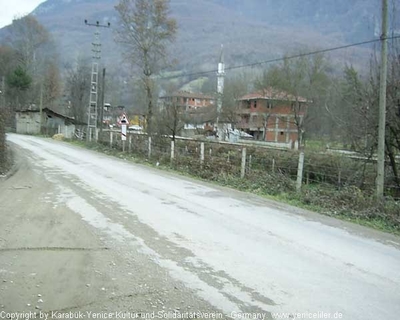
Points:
(300, 55)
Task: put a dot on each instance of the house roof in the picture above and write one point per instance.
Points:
(272, 94)
(186, 94)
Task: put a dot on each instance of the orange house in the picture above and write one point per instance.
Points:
(272, 115)
(188, 101)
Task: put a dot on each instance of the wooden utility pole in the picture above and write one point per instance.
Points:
(41, 108)
(3, 92)
(103, 89)
(380, 179)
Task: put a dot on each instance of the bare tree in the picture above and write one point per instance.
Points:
(77, 88)
(52, 85)
(234, 88)
(145, 30)
(171, 118)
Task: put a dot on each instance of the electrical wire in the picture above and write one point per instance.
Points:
(300, 55)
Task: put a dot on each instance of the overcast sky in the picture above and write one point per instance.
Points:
(11, 8)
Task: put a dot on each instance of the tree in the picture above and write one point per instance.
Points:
(52, 85)
(30, 39)
(34, 51)
(235, 87)
(77, 84)
(19, 81)
(171, 119)
(145, 30)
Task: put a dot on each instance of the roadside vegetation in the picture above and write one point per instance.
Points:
(5, 156)
(331, 188)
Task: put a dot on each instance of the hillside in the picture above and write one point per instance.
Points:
(250, 30)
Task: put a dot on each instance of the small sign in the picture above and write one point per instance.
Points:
(124, 120)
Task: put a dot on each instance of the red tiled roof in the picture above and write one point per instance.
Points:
(186, 94)
(272, 94)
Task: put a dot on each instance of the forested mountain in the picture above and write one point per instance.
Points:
(250, 30)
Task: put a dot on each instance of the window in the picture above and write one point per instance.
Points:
(248, 104)
(255, 103)
(269, 105)
(281, 133)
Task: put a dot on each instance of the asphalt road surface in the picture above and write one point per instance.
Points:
(82, 231)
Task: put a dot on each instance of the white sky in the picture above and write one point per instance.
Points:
(11, 8)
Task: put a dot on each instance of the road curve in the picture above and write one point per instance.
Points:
(239, 252)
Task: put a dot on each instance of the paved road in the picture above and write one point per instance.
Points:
(232, 251)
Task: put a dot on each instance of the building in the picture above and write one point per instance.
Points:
(187, 101)
(196, 110)
(32, 121)
(272, 115)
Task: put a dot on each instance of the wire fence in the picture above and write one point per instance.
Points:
(277, 170)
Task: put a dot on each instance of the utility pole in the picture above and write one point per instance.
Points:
(94, 79)
(380, 179)
(3, 92)
(103, 85)
(41, 107)
(220, 90)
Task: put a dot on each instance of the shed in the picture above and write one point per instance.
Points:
(29, 122)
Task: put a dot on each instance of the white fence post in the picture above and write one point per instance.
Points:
(243, 171)
(130, 143)
(149, 149)
(111, 139)
(202, 154)
(172, 150)
(300, 171)
(249, 163)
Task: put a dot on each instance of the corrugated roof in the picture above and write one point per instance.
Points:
(49, 111)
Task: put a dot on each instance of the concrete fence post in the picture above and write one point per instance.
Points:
(172, 150)
(249, 163)
(300, 171)
(273, 165)
(202, 154)
(111, 139)
(149, 148)
(130, 143)
(243, 170)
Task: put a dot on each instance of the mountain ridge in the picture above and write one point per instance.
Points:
(250, 30)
